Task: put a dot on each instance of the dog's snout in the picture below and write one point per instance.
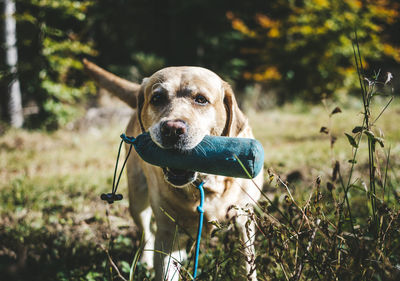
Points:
(172, 131)
(173, 128)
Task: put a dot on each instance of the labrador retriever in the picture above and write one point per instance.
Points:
(179, 106)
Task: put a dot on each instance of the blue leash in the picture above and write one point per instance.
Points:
(111, 197)
(201, 213)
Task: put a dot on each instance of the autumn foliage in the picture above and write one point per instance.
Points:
(304, 48)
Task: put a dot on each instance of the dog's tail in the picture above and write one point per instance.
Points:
(125, 90)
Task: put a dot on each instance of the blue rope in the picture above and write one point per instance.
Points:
(111, 197)
(128, 140)
(201, 213)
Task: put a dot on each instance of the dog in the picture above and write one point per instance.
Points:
(178, 106)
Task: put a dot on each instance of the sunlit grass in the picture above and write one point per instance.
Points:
(292, 140)
(50, 185)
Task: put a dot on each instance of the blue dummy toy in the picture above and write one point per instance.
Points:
(231, 157)
(213, 155)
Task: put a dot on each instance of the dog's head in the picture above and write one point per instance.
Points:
(180, 105)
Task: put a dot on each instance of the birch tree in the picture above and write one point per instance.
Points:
(14, 92)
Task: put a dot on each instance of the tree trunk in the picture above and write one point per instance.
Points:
(14, 92)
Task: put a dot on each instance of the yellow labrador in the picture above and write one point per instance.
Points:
(179, 106)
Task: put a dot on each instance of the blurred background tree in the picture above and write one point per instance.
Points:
(304, 48)
(51, 42)
(14, 104)
(293, 49)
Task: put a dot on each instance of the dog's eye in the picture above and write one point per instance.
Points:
(157, 99)
(200, 99)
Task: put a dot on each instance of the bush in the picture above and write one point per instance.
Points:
(51, 42)
(304, 48)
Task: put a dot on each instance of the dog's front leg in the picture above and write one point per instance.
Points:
(168, 255)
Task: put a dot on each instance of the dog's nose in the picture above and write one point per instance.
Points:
(172, 131)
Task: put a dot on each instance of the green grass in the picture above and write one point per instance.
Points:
(53, 223)
(292, 140)
(51, 208)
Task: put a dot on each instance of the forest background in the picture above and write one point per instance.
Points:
(291, 49)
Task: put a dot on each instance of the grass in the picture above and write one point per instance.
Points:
(53, 226)
(292, 139)
(51, 214)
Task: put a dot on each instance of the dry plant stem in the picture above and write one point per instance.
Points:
(299, 272)
(346, 199)
(330, 128)
(279, 211)
(136, 258)
(261, 208)
(384, 236)
(372, 184)
(386, 173)
(346, 190)
(113, 264)
(345, 187)
(169, 258)
(383, 110)
(296, 258)
(365, 124)
(266, 197)
(294, 202)
(313, 235)
(284, 271)
(313, 263)
(367, 94)
(253, 218)
(110, 244)
(174, 259)
(217, 267)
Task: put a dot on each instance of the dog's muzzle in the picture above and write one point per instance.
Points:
(178, 177)
(174, 135)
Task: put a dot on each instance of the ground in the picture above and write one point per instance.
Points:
(53, 225)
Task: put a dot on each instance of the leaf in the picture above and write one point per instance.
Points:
(330, 186)
(215, 223)
(271, 178)
(288, 200)
(335, 171)
(357, 129)
(336, 110)
(333, 140)
(351, 140)
(389, 77)
(324, 130)
(370, 134)
(380, 141)
(379, 94)
(125, 267)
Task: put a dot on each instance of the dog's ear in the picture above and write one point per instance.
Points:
(235, 119)
(140, 103)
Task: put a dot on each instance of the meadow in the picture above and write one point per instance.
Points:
(311, 223)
